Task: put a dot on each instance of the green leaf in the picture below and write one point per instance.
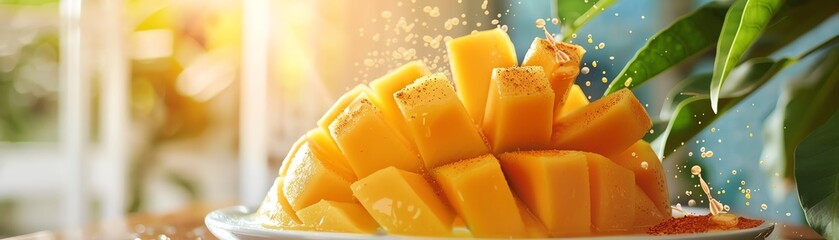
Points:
(744, 21)
(790, 23)
(687, 36)
(804, 104)
(693, 113)
(589, 13)
(817, 174)
(692, 86)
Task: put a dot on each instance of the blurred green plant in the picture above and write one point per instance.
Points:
(752, 38)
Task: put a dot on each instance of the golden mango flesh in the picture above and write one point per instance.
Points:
(576, 99)
(649, 174)
(519, 109)
(383, 88)
(561, 63)
(275, 211)
(612, 194)
(310, 179)
(332, 216)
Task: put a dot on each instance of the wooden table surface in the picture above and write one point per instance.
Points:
(188, 223)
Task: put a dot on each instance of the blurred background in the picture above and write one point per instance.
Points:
(114, 107)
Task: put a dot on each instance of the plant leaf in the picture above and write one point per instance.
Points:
(817, 174)
(804, 105)
(692, 114)
(687, 36)
(744, 21)
(583, 18)
(692, 86)
(791, 22)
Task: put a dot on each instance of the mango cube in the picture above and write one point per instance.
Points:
(403, 203)
(534, 227)
(275, 212)
(478, 192)
(576, 99)
(322, 144)
(368, 142)
(472, 58)
(384, 88)
(561, 63)
(310, 179)
(554, 185)
(438, 121)
(606, 126)
(647, 214)
(649, 174)
(612, 194)
(339, 105)
(331, 216)
(519, 109)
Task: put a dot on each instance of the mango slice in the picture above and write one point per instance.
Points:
(322, 144)
(275, 212)
(519, 109)
(310, 179)
(612, 194)
(472, 58)
(576, 99)
(331, 216)
(534, 227)
(606, 126)
(478, 192)
(291, 152)
(555, 187)
(403, 203)
(340, 104)
(561, 70)
(647, 214)
(384, 88)
(649, 174)
(368, 142)
(438, 121)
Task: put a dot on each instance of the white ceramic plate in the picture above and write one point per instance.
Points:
(242, 223)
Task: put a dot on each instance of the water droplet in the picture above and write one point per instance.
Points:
(691, 203)
(734, 172)
(743, 182)
(611, 57)
(628, 82)
(601, 45)
(584, 70)
(713, 129)
(763, 206)
(604, 80)
(643, 17)
(789, 214)
(702, 149)
(645, 165)
(594, 64)
(573, 35)
(696, 170)
(709, 154)
(555, 21)
(588, 83)
(690, 154)
(540, 23)
(748, 196)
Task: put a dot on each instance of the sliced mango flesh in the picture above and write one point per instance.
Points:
(339, 105)
(331, 216)
(275, 212)
(291, 152)
(561, 70)
(647, 214)
(368, 142)
(310, 179)
(534, 227)
(438, 121)
(554, 185)
(649, 174)
(404, 203)
(612, 194)
(384, 88)
(576, 99)
(472, 58)
(322, 144)
(606, 126)
(478, 192)
(519, 109)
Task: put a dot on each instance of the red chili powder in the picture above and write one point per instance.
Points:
(698, 224)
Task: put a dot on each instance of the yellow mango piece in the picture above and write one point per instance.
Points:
(331, 216)
(384, 88)
(478, 192)
(339, 105)
(606, 126)
(554, 185)
(561, 70)
(321, 142)
(310, 179)
(368, 142)
(534, 227)
(649, 174)
(576, 99)
(647, 214)
(519, 109)
(275, 212)
(438, 122)
(472, 58)
(291, 152)
(612, 194)
(403, 203)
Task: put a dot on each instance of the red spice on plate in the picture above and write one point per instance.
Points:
(699, 224)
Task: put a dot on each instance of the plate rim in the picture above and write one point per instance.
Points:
(225, 230)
